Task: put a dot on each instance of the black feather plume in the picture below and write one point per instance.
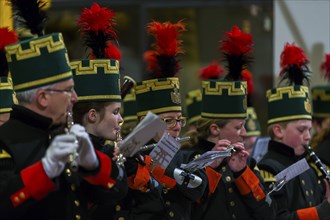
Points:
(28, 14)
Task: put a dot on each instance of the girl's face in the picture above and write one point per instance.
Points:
(174, 122)
(109, 126)
(233, 131)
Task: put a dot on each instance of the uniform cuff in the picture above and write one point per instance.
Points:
(307, 214)
(213, 178)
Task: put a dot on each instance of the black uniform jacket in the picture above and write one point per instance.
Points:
(156, 201)
(301, 197)
(231, 195)
(323, 151)
(101, 210)
(26, 192)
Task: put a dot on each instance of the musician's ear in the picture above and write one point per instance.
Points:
(214, 130)
(92, 115)
(41, 98)
(278, 131)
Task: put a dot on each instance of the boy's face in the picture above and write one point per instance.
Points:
(296, 134)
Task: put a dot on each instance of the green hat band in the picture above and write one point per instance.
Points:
(158, 96)
(288, 103)
(321, 101)
(6, 95)
(37, 62)
(252, 125)
(129, 106)
(193, 104)
(97, 80)
(223, 99)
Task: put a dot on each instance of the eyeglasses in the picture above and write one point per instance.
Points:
(171, 122)
(65, 91)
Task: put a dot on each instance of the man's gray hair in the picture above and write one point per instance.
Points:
(28, 96)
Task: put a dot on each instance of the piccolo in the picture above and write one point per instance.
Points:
(151, 146)
(72, 160)
(323, 169)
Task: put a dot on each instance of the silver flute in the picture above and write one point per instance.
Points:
(151, 146)
(72, 160)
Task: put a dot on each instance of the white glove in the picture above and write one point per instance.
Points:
(58, 153)
(86, 154)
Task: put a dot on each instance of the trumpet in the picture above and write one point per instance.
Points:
(72, 160)
(151, 146)
(323, 169)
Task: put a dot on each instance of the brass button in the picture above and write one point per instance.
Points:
(73, 187)
(233, 216)
(223, 169)
(171, 214)
(110, 185)
(230, 190)
(167, 203)
(78, 217)
(76, 202)
(22, 195)
(118, 208)
(232, 203)
(303, 182)
(310, 204)
(228, 179)
(307, 193)
(258, 197)
(16, 199)
(165, 191)
(121, 218)
(68, 172)
(312, 192)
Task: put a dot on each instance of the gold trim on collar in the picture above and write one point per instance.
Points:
(4, 154)
(292, 93)
(43, 81)
(91, 69)
(34, 49)
(95, 97)
(223, 85)
(160, 110)
(290, 118)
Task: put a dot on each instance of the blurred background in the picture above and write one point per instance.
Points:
(271, 23)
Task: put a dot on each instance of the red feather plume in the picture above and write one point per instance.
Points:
(247, 76)
(212, 71)
(237, 42)
(150, 58)
(166, 35)
(325, 67)
(7, 37)
(293, 55)
(97, 23)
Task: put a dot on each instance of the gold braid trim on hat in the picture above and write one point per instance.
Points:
(227, 86)
(290, 118)
(43, 81)
(160, 110)
(321, 95)
(156, 84)
(98, 97)
(215, 115)
(292, 93)
(194, 95)
(34, 49)
(106, 64)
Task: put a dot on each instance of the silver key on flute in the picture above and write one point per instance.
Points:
(151, 146)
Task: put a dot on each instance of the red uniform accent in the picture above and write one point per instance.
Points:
(249, 182)
(308, 214)
(103, 176)
(213, 179)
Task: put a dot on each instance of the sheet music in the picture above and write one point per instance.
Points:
(292, 171)
(165, 151)
(148, 128)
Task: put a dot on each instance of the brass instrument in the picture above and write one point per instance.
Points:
(323, 169)
(151, 146)
(72, 160)
(127, 85)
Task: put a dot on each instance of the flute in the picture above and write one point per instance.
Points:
(72, 160)
(323, 169)
(151, 146)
